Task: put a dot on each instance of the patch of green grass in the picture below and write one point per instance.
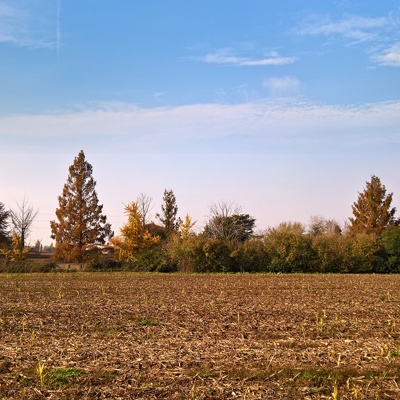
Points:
(59, 377)
(146, 322)
(206, 374)
(202, 373)
(313, 374)
(395, 352)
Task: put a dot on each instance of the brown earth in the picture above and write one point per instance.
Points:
(154, 336)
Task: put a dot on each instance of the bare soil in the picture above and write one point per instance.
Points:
(155, 336)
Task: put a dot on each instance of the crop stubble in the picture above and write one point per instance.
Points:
(148, 336)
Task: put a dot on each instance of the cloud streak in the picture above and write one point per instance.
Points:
(225, 57)
(380, 33)
(356, 28)
(252, 126)
(24, 26)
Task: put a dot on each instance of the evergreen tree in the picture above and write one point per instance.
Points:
(372, 212)
(4, 232)
(169, 211)
(80, 219)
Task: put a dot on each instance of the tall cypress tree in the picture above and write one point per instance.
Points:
(372, 212)
(80, 219)
(169, 211)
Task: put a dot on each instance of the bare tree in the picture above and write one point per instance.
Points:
(224, 209)
(22, 220)
(227, 222)
(218, 214)
(321, 226)
(145, 205)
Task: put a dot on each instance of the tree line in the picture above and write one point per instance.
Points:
(368, 242)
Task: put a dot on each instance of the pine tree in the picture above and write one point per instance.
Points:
(4, 232)
(169, 211)
(372, 212)
(80, 219)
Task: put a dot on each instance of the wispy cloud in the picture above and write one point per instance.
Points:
(381, 34)
(126, 128)
(389, 57)
(356, 28)
(24, 24)
(282, 86)
(227, 57)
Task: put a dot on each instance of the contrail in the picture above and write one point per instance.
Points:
(58, 27)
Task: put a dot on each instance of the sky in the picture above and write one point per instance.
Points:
(286, 108)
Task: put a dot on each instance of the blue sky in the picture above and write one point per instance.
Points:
(286, 108)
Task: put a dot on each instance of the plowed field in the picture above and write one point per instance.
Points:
(154, 336)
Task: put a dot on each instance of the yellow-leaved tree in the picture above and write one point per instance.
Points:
(186, 227)
(17, 252)
(134, 235)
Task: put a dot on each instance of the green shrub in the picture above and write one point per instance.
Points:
(364, 253)
(102, 262)
(150, 259)
(329, 253)
(179, 253)
(289, 249)
(253, 256)
(391, 244)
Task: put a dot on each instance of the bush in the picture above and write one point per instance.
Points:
(220, 256)
(391, 244)
(329, 253)
(181, 253)
(364, 253)
(26, 266)
(102, 262)
(154, 259)
(289, 249)
(201, 254)
(253, 256)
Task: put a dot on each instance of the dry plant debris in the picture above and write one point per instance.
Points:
(155, 336)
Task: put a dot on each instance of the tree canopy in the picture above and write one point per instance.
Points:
(372, 211)
(80, 220)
